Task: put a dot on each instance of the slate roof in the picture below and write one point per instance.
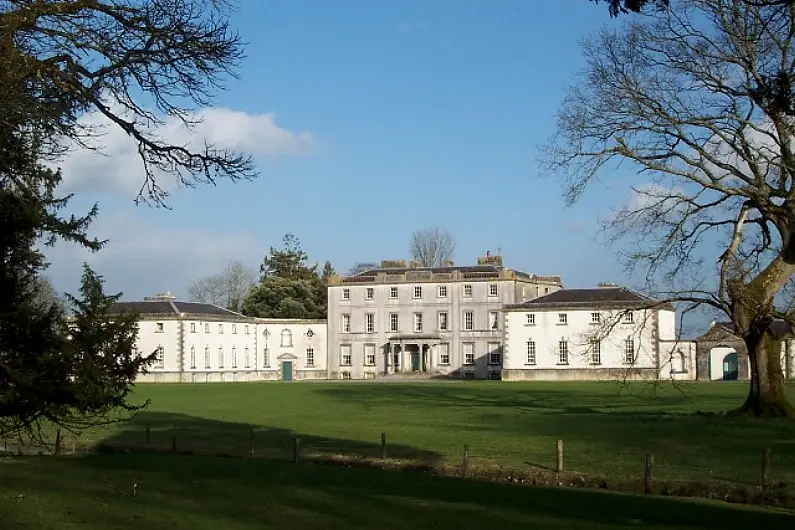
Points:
(440, 270)
(618, 297)
(172, 308)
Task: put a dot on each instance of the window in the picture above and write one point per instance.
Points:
(159, 327)
(492, 289)
(207, 328)
(310, 357)
(596, 351)
(245, 330)
(193, 357)
(369, 293)
(220, 329)
(494, 319)
(193, 327)
(220, 357)
(287, 338)
(494, 353)
(546, 290)
(418, 292)
(345, 354)
(628, 317)
(469, 320)
(346, 294)
(393, 292)
(393, 322)
(442, 291)
(531, 319)
(234, 357)
(467, 291)
(346, 375)
(629, 351)
(369, 354)
(596, 318)
(207, 357)
(346, 323)
(444, 353)
(531, 352)
(443, 321)
(246, 358)
(266, 362)
(417, 322)
(563, 352)
(369, 323)
(160, 359)
(469, 352)
(563, 319)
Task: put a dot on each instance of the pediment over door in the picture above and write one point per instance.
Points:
(287, 357)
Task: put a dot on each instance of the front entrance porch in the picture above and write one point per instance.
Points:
(410, 354)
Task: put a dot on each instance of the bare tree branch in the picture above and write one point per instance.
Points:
(432, 246)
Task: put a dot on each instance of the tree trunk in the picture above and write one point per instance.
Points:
(766, 396)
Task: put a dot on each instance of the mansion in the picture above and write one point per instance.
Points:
(482, 321)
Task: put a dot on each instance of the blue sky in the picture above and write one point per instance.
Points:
(387, 116)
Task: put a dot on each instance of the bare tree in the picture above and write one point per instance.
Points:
(432, 246)
(684, 96)
(228, 289)
(361, 266)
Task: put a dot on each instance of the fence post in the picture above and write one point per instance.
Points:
(173, 443)
(148, 436)
(559, 453)
(649, 474)
(383, 446)
(766, 468)
(58, 442)
(251, 443)
(465, 463)
(296, 449)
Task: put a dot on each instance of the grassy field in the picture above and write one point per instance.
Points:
(193, 492)
(606, 432)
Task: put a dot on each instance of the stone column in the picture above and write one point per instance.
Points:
(388, 362)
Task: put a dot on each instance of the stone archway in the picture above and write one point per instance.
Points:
(713, 347)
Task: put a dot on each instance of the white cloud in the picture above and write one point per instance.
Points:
(142, 257)
(116, 167)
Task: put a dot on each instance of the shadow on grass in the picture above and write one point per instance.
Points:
(223, 438)
(205, 492)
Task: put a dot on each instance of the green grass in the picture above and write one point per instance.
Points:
(194, 493)
(512, 425)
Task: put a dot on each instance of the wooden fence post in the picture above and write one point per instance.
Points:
(648, 475)
(766, 468)
(251, 443)
(148, 436)
(383, 446)
(296, 449)
(559, 453)
(465, 463)
(58, 442)
(173, 443)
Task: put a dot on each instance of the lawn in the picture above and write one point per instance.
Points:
(195, 492)
(515, 425)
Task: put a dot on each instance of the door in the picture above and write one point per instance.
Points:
(731, 367)
(287, 370)
(415, 361)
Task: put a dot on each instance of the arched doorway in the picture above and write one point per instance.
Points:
(717, 355)
(731, 367)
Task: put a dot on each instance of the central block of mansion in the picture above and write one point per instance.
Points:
(482, 321)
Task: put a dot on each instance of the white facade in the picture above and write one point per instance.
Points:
(207, 343)
(584, 334)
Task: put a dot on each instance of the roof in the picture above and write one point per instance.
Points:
(780, 329)
(172, 308)
(619, 297)
(441, 270)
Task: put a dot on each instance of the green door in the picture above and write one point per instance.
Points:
(731, 367)
(287, 370)
(415, 361)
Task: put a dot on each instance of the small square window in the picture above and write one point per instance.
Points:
(393, 292)
(442, 291)
(159, 327)
(629, 318)
(492, 289)
(346, 294)
(369, 293)
(596, 318)
(531, 319)
(563, 319)
(193, 327)
(467, 291)
(418, 292)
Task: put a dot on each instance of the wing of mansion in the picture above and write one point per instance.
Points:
(482, 321)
